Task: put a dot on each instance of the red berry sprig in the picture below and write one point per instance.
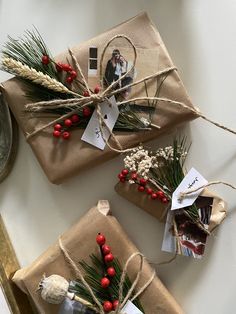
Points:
(142, 183)
(110, 272)
(61, 130)
(68, 69)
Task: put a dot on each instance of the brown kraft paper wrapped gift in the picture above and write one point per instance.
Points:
(64, 160)
(80, 242)
(159, 210)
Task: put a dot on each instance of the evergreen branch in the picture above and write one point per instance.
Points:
(29, 50)
(93, 274)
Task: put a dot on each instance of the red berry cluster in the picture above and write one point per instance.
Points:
(68, 69)
(124, 175)
(62, 129)
(61, 67)
(108, 257)
(96, 91)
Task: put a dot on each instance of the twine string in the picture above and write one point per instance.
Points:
(121, 283)
(182, 195)
(80, 276)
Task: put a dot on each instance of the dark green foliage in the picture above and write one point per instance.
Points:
(93, 275)
(29, 50)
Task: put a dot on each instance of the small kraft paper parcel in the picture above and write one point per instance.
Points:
(157, 182)
(97, 99)
(95, 265)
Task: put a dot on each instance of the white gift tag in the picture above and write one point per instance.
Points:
(192, 180)
(92, 133)
(130, 308)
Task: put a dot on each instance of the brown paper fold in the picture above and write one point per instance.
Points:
(159, 210)
(61, 160)
(80, 242)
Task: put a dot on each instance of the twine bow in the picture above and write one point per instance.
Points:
(122, 301)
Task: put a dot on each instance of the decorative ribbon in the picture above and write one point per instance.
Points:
(122, 301)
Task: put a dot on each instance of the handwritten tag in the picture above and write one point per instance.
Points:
(92, 133)
(130, 308)
(192, 180)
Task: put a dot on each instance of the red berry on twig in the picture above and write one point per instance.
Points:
(66, 67)
(111, 271)
(115, 304)
(164, 200)
(105, 282)
(106, 249)
(69, 79)
(134, 176)
(86, 93)
(59, 66)
(107, 306)
(87, 112)
(68, 122)
(45, 60)
(97, 89)
(100, 239)
(160, 194)
(149, 191)
(66, 135)
(143, 181)
(58, 127)
(75, 118)
(154, 196)
(108, 258)
(56, 133)
(73, 74)
(125, 172)
(141, 188)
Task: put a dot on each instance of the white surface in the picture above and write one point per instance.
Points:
(201, 38)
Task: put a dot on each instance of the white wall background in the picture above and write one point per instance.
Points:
(201, 38)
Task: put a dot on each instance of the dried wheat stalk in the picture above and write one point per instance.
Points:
(24, 71)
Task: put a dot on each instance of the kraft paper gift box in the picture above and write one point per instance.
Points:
(79, 240)
(159, 210)
(64, 160)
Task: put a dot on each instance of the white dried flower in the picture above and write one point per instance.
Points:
(54, 289)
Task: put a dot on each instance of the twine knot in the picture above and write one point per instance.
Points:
(96, 98)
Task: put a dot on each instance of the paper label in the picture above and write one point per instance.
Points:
(92, 133)
(130, 308)
(192, 180)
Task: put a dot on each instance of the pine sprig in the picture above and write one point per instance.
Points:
(29, 50)
(172, 173)
(93, 275)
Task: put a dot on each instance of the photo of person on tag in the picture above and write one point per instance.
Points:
(116, 67)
